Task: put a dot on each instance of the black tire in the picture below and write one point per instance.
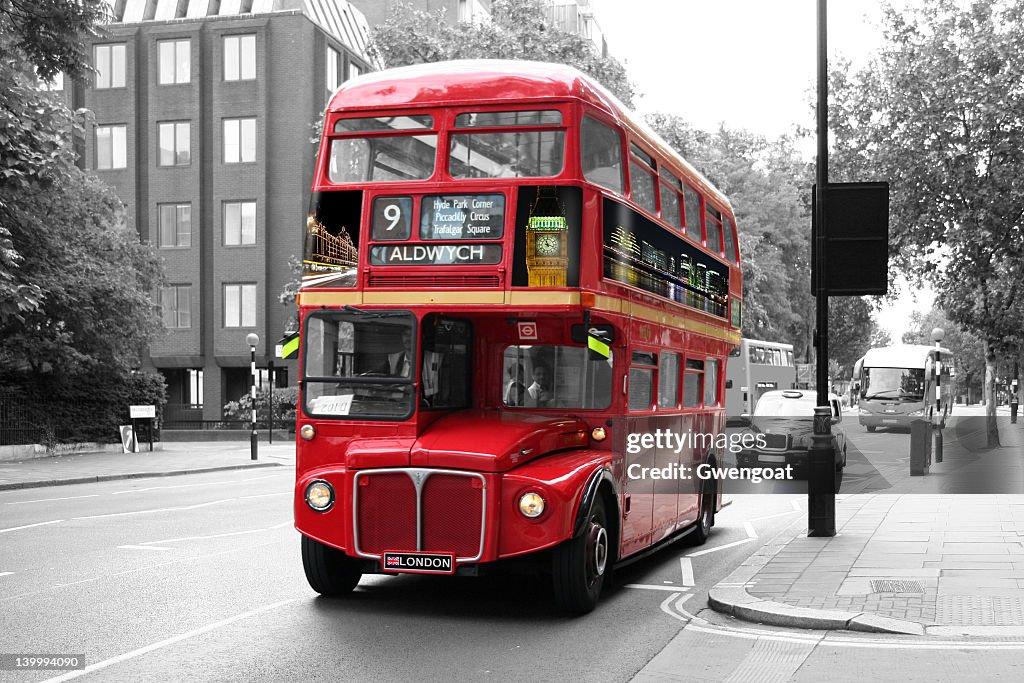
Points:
(706, 519)
(580, 565)
(329, 571)
(871, 428)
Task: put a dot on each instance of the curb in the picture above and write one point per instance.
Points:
(737, 602)
(129, 475)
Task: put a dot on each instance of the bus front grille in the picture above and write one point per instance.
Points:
(413, 509)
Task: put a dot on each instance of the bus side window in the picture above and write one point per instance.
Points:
(641, 380)
(693, 383)
(668, 380)
(601, 154)
(711, 383)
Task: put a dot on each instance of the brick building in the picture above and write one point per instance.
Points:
(202, 116)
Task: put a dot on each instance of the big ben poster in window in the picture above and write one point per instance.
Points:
(547, 236)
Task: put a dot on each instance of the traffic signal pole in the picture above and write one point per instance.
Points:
(821, 499)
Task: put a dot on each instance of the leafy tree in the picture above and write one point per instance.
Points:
(767, 182)
(75, 282)
(967, 349)
(518, 29)
(851, 325)
(940, 113)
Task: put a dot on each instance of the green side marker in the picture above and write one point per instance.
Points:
(598, 346)
(290, 349)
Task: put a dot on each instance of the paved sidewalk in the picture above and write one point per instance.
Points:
(950, 565)
(171, 459)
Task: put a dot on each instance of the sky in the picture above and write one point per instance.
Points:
(750, 64)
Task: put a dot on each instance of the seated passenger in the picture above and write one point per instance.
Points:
(540, 393)
(515, 390)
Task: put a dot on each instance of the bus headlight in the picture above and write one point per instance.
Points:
(916, 413)
(319, 495)
(307, 432)
(531, 504)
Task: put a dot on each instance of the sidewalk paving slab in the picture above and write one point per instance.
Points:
(173, 459)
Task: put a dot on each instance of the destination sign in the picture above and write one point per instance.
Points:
(462, 216)
(435, 254)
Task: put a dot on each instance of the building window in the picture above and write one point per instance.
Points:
(332, 69)
(239, 140)
(175, 143)
(175, 225)
(239, 58)
(239, 223)
(174, 58)
(111, 147)
(240, 305)
(195, 386)
(109, 63)
(354, 70)
(176, 301)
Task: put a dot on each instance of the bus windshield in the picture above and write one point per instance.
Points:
(555, 377)
(895, 383)
(359, 364)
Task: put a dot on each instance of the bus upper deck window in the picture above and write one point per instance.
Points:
(507, 154)
(383, 158)
(601, 154)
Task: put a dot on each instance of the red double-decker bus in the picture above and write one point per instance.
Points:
(511, 285)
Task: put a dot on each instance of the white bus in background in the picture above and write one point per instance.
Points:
(895, 385)
(756, 367)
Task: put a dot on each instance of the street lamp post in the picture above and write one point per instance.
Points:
(937, 334)
(270, 374)
(252, 339)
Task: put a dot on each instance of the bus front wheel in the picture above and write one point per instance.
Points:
(579, 565)
(329, 571)
(871, 428)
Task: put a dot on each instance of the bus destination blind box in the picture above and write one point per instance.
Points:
(857, 239)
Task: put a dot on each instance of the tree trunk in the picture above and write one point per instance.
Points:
(991, 427)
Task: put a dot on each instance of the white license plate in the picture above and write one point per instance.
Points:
(772, 458)
(893, 421)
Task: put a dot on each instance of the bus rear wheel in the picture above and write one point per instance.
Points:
(329, 571)
(706, 520)
(579, 565)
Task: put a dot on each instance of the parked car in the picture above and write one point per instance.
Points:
(785, 421)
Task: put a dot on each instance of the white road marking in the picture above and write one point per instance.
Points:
(777, 514)
(749, 528)
(185, 486)
(796, 505)
(686, 566)
(183, 507)
(644, 586)
(143, 547)
(29, 526)
(169, 641)
(201, 538)
(6, 573)
(664, 607)
(47, 500)
(721, 547)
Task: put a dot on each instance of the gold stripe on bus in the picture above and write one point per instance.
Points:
(520, 298)
(516, 298)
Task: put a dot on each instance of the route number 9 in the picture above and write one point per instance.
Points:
(392, 218)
